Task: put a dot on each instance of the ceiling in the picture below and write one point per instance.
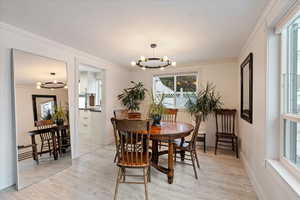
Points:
(190, 32)
(30, 69)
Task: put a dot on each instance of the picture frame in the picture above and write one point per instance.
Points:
(247, 89)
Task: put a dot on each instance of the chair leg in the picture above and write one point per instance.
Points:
(204, 144)
(216, 146)
(193, 161)
(123, 175)
(117, 183)
(196, 156)
(145, 183)
(115, 159)
(42, 146)
(149, 174)
(49, 148)
(232, 141)
(237, 147)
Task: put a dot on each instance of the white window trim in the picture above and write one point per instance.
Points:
(289, 166)
(175, 76)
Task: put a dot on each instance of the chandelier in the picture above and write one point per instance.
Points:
(153, 62)
(53, 84)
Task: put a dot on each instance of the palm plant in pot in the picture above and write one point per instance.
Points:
(132, 97)
(205, 102)
(156, 109)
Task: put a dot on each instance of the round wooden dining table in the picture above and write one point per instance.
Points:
(167, 132)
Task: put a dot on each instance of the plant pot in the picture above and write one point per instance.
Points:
(59, 122)
(134, 115)
(156, 120)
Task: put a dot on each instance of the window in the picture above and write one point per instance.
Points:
(291, 94)
(176, 88)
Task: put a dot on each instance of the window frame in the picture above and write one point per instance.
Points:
(284, 114)
(175, 75)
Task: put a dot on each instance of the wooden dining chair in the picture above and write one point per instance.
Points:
(116, 137)
(46, 138)
(130, 155)
(169, 115)
(182, 146)
(225, 130)
(121, 114)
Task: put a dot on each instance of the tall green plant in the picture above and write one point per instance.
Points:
(206, 101)
(59, 114)
(156, 108)
(132, 97)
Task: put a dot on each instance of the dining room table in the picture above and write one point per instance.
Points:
(167, 132)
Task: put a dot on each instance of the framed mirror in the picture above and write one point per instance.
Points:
(43, 106)
(41, 110)
(247, 89)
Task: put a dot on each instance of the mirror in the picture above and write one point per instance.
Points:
(247, 88)
(41, 117)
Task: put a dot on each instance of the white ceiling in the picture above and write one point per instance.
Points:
(121, 30)
(30, 69)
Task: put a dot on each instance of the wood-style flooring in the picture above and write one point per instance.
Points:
(93, 176)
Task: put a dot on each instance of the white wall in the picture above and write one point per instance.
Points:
(255, 138)
(24, 108)
(222, 74)
(11, 37)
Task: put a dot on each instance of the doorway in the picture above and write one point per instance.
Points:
(91, 117)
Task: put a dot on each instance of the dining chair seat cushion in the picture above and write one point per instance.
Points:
(131, 159)
(178, 143)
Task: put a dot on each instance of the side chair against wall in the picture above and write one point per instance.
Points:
(46, 138)
(130, 155)
(225, 130)
(182, 146)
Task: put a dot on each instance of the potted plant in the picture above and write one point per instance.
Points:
(156, 109)
(205, 102)
(132, 97)
(59, 116)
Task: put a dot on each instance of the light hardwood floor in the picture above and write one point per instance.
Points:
(93, 176)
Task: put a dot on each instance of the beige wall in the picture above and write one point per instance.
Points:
(24, 109)
(222, 74)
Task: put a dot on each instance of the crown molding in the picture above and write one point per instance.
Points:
(81, 55)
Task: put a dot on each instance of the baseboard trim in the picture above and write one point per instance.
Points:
(257, 187)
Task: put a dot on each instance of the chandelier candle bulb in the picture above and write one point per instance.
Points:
(165, 58)
(143, 58)
(133, 63)
(173, 64)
